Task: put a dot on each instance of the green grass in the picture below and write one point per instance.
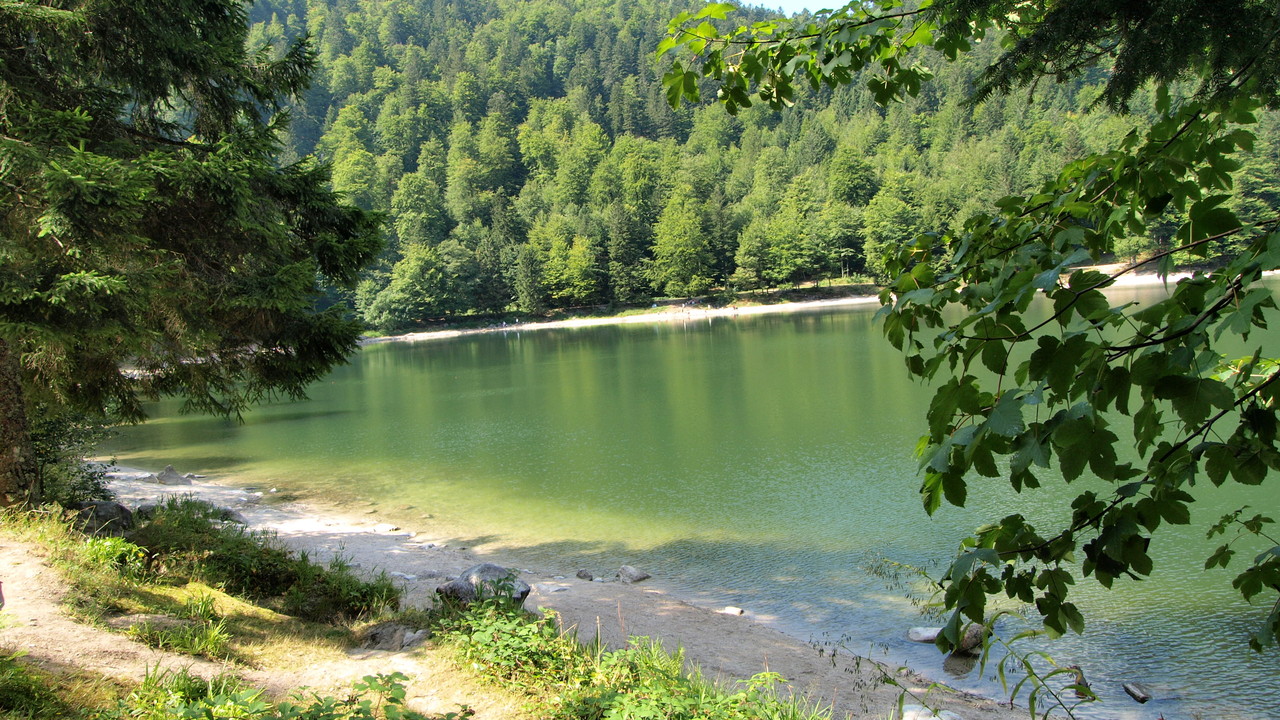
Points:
(575, 681)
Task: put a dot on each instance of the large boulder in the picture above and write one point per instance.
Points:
(104, 517)
(482, 581)
(629, 574)
(971, 642)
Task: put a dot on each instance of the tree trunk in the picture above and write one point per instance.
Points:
(18, 475)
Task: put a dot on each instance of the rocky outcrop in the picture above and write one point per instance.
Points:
(485, 580)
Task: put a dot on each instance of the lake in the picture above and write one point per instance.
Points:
(763, 461)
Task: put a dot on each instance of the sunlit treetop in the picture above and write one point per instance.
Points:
(1161, 40)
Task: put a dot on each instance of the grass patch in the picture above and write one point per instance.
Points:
(573, 681)
(34, 693)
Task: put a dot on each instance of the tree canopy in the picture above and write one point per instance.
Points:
(151, 244)
(1032, 395)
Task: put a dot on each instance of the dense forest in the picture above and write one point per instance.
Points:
(524, 156)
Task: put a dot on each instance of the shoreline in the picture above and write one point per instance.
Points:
(726, 647)
(687, 313)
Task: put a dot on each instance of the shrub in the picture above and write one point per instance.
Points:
(323, 594)
(61, 441)
(194, 540)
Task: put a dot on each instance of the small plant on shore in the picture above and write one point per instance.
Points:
(116, 553)
(333, 591)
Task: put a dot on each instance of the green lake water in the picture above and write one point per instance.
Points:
(761, 461)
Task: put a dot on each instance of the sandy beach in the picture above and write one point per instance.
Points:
(695, 312)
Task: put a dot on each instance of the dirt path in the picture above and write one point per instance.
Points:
(34, 621)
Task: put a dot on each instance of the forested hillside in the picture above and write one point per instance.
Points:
(525, 156)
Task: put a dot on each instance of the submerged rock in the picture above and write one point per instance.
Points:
(923, 634)
(920, 712)
(1137, 691)
(485, 580)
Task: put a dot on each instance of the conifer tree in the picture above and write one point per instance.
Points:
(151, 245)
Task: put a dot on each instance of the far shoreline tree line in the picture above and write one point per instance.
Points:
(526, 159)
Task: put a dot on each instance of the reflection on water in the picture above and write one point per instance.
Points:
(762, 462)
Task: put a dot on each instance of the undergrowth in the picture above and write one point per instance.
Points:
(194, 540)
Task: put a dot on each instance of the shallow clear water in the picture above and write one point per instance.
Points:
(764, 462)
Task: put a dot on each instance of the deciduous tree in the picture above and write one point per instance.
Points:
(1023, 395)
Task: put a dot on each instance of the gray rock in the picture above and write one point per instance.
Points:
(229, 515)
(585, 575)
(169, 476)
(105, 517)
(388, 636)
(146, 511)
(628, 574)
(485, 580)
(971, 641)
(416, 637)
(402, 576)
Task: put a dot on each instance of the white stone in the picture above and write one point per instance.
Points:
(920, 712)
(923, 634)
(731, 610)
